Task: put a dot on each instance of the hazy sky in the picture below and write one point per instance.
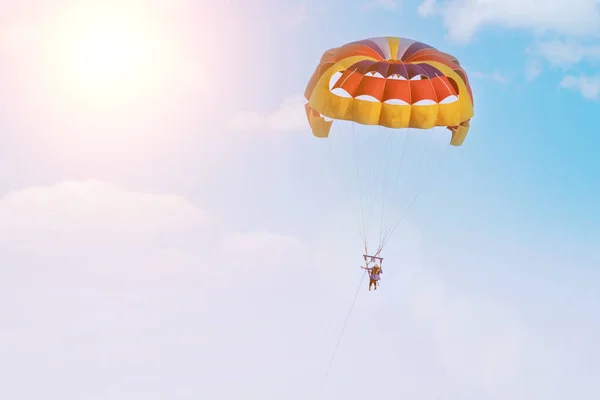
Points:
(170, 228)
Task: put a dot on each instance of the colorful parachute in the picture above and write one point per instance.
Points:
(392, 82)
(385, 84)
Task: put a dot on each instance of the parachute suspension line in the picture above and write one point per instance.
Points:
(418, 166)
(420, 155)
(372, 162)
(412, 181)
(367, 155)
(365, 243)
(362, 213)
(395, 184)
(395, 225)
(378, 160)
(379, 163)
(337, 345)
(429, 177)
(388, 148)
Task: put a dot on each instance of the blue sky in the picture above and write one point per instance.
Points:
(170, 228)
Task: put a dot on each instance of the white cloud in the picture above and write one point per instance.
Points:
(477, 340)
(266, 250)
(290, 117)
(119, 316)
(241, 309)
(383, 4)
(533, 69)
(588, 86)
(297, 15)
(427, 8)
(566, 53)
(263, 241)
(494, 76)
(72, 213)
(464, 18)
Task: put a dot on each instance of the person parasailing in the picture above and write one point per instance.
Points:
(374, 272)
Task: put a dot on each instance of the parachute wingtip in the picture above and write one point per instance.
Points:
(459, 133)
(319, 125)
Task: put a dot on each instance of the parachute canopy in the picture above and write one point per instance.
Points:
(392, 82)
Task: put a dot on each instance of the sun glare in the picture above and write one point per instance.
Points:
(105, 54)
(110, 55)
